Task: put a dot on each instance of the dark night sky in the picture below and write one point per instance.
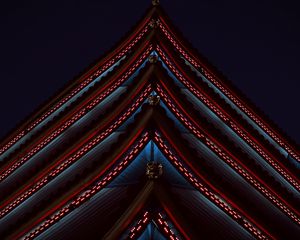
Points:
(256, 44)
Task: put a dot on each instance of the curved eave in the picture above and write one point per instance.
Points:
(260, 145)
(81, 109)
(228, 158)
(191, 115)
(107, 60)
(101, 87)
(199, 167)
(114, 162)
(213, 72)
(104, 128)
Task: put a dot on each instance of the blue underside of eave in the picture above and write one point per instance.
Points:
(59, 110)
(248, 119)
(213, 118)
(134, 172)
(151, 232)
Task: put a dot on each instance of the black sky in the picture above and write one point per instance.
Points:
(256, 44)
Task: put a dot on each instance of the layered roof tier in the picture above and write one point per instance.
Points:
(149, 143)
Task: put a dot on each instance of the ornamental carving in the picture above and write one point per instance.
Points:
(154, 170)
(153, 100)
(153, 59)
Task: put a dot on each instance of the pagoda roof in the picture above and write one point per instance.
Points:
(209, 147)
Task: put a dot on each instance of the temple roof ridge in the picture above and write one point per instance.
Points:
(149, 122)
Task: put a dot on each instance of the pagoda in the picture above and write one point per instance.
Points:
(151, 142)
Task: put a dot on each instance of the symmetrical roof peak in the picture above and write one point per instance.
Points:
(85, 153)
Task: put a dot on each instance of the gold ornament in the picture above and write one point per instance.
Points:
(153, 58)
(154, 170)
(153, 100)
